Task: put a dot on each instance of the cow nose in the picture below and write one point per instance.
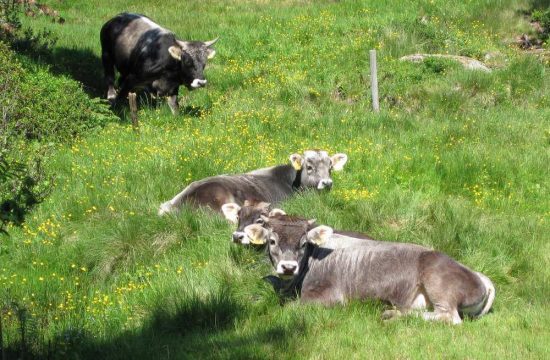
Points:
(325, 184)
(289, 268)
(238, 237)
(197, 83)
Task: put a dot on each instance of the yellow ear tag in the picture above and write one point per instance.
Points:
(257, 241)
(320, 241)
(297, 165)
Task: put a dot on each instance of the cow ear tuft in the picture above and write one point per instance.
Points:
(210, 53)
(338, 161)
(231, 212)
(319, 235)
(277, 212)
(176, 52)
(296, 161)
(256, 233)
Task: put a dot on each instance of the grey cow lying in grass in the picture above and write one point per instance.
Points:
(408, 276)
(273, 184)
(254, 212)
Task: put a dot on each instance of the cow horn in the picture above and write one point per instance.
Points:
(184, 45)
(211, 42)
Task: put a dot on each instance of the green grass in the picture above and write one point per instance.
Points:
(456, 160)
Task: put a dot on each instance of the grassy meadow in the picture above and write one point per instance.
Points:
(456, 160)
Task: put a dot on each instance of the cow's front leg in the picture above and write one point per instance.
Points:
(172, 101)
(126, 84)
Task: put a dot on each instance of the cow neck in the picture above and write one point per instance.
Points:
(297, 180)
(296, 284)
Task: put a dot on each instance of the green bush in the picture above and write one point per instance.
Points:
(37, 109)
(543, 17)
(41, 106)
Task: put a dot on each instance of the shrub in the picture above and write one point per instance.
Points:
(36, 110)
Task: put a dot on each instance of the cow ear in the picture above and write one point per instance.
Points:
(276, 212)
(263, 205)
(296, 161)
(338, 161)
(210, 53)
(319, 235)
(231, 212)
(256, 233)
(176, 52)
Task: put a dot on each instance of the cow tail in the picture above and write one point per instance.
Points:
(174, 204)
(490, 293)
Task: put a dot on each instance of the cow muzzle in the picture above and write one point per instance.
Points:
(287, 268)
(325, 184)
(197, 83)
(240, 237)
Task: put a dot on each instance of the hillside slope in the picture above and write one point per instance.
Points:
(456, 160)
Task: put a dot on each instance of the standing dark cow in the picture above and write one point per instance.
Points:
(270, 184)
(408, 276)
(149, 55)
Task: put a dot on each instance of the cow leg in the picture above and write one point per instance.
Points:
(109, 73)
(391, 314)
(172, 101)
(127, 83)
(442, 313)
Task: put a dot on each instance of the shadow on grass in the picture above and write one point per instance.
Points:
(194, 327)
(199, 328)
(81, 65)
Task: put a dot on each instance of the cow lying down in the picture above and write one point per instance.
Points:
(409, 277)
(273, 184)
(258, 213)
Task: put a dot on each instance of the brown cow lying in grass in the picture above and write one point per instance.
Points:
(254, 212)
(409, 277)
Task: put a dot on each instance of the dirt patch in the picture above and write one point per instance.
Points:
(33, 8)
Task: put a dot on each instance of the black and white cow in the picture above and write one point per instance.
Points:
(148, 55)
(408, 276)
(273, 184)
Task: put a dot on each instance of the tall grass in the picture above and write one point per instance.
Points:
(456, 160)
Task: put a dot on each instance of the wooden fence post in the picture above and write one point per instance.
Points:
(133, 111)
(374, 81)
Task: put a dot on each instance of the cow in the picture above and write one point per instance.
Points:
(148, 55)
(408, 276)
(273, 184)
(260, 213)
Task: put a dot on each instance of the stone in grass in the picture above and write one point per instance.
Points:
(466, 62)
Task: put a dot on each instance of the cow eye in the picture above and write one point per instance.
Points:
(260, 221)
(272, 242)
(309, 168)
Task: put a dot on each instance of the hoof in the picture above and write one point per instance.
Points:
(390, 315)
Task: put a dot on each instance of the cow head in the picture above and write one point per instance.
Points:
(252, 212)
(315, 166)
(287, 242)
(192, 56)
